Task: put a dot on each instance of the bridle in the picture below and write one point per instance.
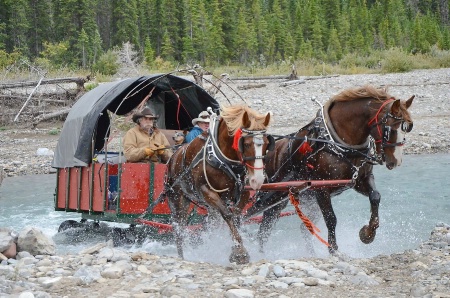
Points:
(384, 130)
(258, 139)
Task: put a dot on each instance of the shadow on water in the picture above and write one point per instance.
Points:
(415, 197)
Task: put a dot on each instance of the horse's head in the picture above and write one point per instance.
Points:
(389, 132)
(252, 147)
(250, 143)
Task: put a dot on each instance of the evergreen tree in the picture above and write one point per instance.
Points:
(289, 48)
(3, 17)
(103, 13)
(189, 52)
(246, 41)
(17, 26)
(82, 45)
(229, 11)
(199, 30)
(316, 41)
(124, 23)
(149, 53)
(419, 41)
(167, 49)
(215, 47)
(334, 50)
(97, 47)
(259, 24)
(306, 50)
(40, 18)
(172, 18)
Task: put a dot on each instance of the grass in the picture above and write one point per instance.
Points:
(54, 131)
(377, 61)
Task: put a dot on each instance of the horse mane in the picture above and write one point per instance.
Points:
(364, 92)
(369, 91)
(232, 115)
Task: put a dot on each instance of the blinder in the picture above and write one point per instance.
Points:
(386, 133)
(406, 127)
(271, 145)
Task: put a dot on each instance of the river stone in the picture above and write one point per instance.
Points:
(35, 242)
(239, 293)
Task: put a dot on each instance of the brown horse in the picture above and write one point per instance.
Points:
(213, 169)
(355, 129)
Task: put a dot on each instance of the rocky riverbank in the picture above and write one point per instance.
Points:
(105, 271)
(291, 107)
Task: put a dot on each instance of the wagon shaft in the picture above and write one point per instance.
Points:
(300, 185)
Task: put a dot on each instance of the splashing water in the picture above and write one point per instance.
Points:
(414, 197)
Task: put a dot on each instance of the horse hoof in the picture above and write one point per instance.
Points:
(367, 235)
(239, 256)
(332, 249)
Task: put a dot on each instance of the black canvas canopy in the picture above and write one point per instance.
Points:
(176, 100)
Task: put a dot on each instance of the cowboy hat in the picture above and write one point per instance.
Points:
(202, 117)
(146, 112)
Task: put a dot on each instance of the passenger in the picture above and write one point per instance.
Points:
(145, 142)
(201, 124)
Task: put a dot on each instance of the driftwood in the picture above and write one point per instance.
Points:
(291, 83)
(49, 116)
(280, 77)
(246, 87)
(78, 80)
(56, 101)
(28, 99)
(319, 77)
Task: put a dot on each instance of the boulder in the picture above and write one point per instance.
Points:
(35, 242)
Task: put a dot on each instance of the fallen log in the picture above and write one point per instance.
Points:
(246, 87)
(49, 116)
(281, 77)
(291, 83)
(78, 80)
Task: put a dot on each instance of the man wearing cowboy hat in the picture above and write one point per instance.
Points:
(201, 124)
(144, 142)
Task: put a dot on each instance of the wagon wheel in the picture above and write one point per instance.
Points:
(70, 224)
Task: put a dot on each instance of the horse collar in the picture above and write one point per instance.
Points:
(324, 124)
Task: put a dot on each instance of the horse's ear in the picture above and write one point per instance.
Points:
(267, 120)
(395, 109)
(409, 101)
(246, 120)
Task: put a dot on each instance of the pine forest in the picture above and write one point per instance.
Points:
(83, 34)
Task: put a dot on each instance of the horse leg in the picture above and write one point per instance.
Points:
(179, 210)
(367, 188)
(238, 254)
(270, 217)
(324, 201)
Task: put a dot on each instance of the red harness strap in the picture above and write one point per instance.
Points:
(375, 118)
(308, 223)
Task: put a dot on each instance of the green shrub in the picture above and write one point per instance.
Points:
(396, 60)
(106, 64)
(54, 131)
(90, 86)
(441, 58)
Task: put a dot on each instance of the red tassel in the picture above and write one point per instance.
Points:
(237, 136)
(305, 148)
